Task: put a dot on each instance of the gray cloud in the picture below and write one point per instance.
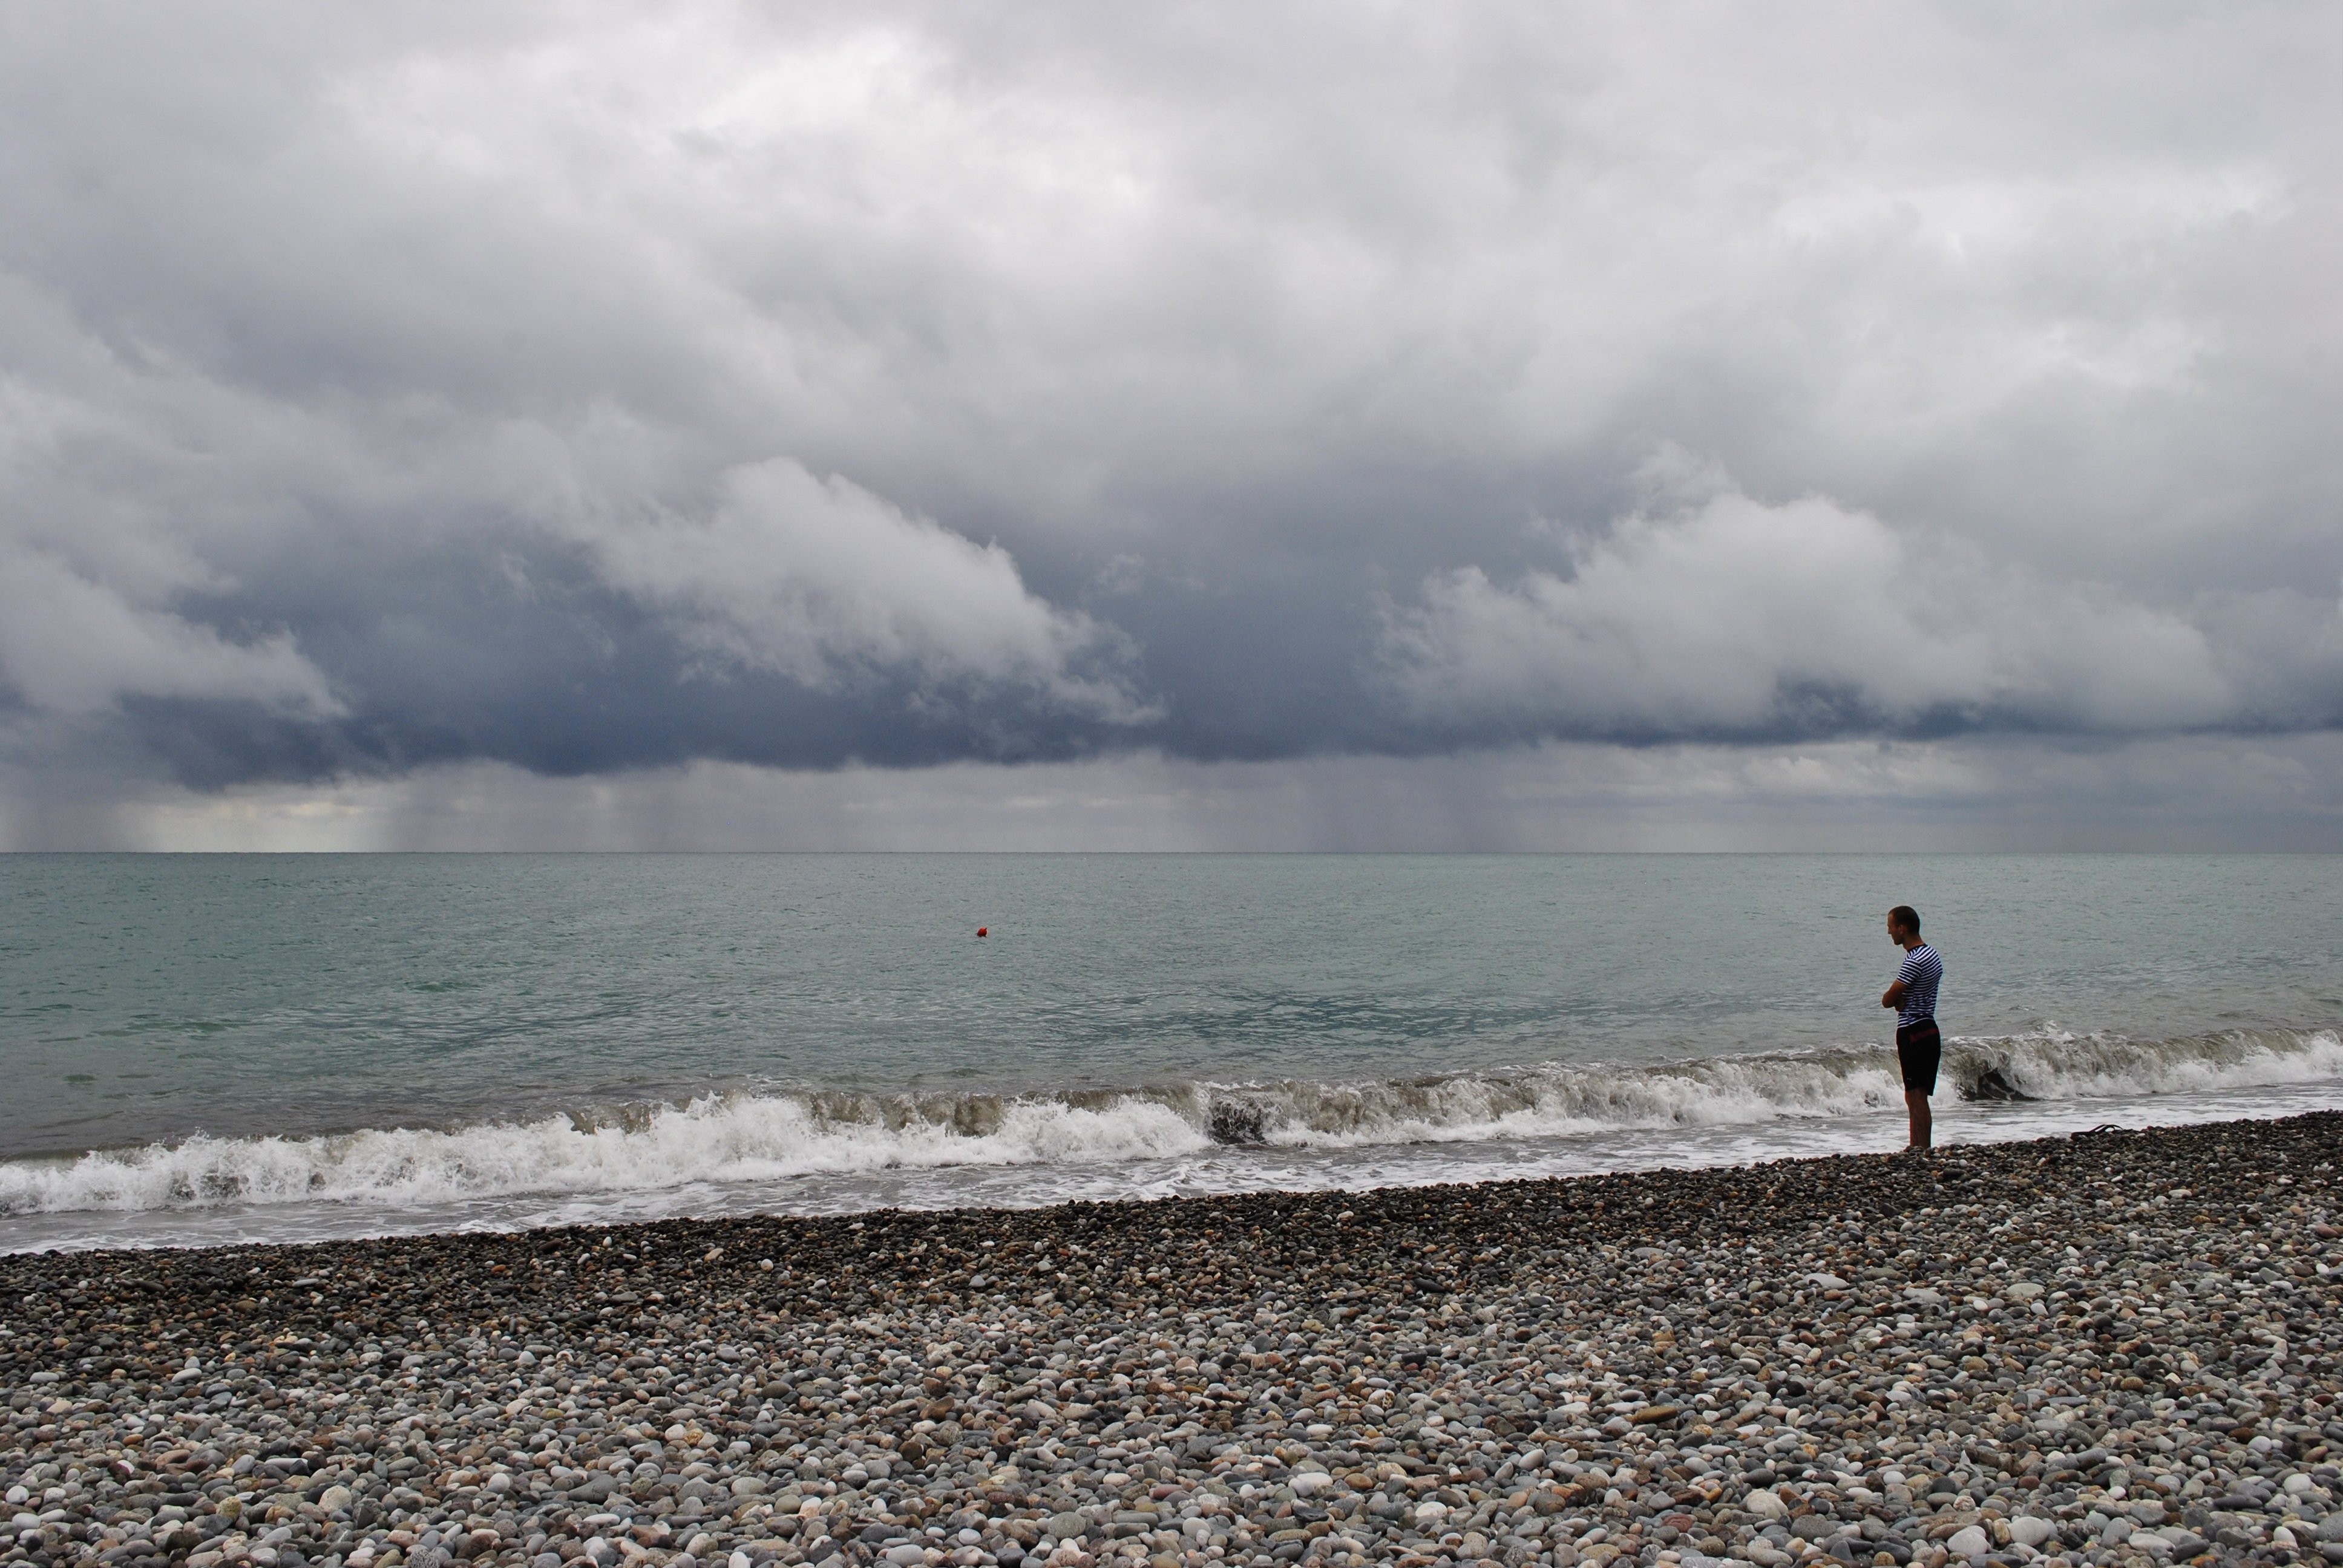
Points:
(578, 391)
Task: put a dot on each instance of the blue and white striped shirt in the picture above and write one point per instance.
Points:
(1921, 969)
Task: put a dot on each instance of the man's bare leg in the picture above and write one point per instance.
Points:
(1923, 1124)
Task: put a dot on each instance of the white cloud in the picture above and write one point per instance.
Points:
(70, 645)
(821, 581)
(87, 585)
(1727, 615)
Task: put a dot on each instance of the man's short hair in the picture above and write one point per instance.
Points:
(1908, 917)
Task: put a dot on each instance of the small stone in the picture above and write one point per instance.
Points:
(1969, 1542)
(1014, 1413)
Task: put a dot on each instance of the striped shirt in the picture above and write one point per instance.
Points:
(1921, 969)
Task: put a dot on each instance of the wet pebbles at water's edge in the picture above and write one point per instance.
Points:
(2107, 1349)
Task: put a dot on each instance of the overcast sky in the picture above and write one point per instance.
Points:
(1264, 424)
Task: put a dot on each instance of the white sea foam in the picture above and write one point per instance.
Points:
(2057, 1065)
(766, 1137)
(725, 1138)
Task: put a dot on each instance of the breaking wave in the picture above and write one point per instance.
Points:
(769, 1135)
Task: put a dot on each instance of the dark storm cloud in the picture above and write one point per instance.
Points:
(594, 389)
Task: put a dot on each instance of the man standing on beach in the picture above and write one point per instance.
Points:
(1918, 1046)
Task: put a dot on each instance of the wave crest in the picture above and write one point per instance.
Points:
(762, 1136)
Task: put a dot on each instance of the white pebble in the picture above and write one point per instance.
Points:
(2029, 1530)
(1970, 1543)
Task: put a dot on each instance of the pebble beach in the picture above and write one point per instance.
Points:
(2114, 1348)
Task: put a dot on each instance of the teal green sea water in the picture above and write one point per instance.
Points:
(201, 1046)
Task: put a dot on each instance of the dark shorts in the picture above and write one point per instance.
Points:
(1919, 1049)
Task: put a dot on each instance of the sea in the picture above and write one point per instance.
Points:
(204, 1050)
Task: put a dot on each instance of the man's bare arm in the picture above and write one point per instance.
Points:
(1893, 997)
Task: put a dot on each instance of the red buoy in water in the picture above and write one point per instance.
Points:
(981, 929)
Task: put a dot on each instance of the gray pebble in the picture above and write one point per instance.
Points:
(1875, 1356)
